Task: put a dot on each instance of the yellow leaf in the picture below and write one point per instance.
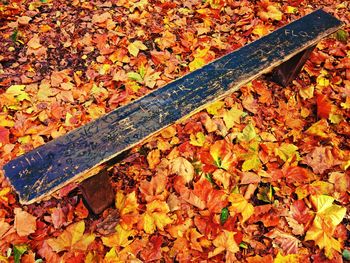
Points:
(135, 47)
(18, 92)
(121, 238)
(261, 30)
(225, 241)
(104, 69)
(307, 93)
(96, 111)
(4, 122)
(72, 238)
(328, 216)
(287, 151)
(325, 208)
(3, 194)
(239, 205)
(126, 204)
(322, 81)
(290, 258)
(291, 10)
(198, 139)
(214, 107)
(197, 63)
(319, 128)
(232, 116)
(252, 162)
(153, 158)
(156, 216)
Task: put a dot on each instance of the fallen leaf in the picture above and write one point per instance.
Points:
(25, 223)
(135, 47)
(225, 241)
(328, 216)
(156, 216)
(239, 205)
(182, 167)
(34, 42)
(73, 238)
(121, 238)
(321, 159)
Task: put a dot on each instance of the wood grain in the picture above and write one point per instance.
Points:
(69, 158)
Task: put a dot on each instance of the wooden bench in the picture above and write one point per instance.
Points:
(72, 157)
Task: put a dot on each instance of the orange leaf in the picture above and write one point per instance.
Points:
(324, 106)
(4, 136)
(34, 42)
(73, 238)
(25, 223)
(224, 242)
(153, 158)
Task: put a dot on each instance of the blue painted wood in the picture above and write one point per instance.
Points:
(65, 159)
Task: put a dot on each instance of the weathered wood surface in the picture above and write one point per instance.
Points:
(68, 158)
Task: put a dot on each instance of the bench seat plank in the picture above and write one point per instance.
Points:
(67, 158)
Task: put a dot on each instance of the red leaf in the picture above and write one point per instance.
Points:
(4, 135)
(300, 212)
(153, 251)
(324, 107)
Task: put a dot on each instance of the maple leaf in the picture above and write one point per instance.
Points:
(4, 136)
(240, 205)
(321, 159)
(270, 11)
(25, 223)
(222, 155)
(225, 241)
(73, 238)
(128, 208)
(182, 167)
(328, 216)
(121, 238)
(287, 242)
(198, 139)
(156, 216)
(319, 128)
(153, 158)
(324, 106)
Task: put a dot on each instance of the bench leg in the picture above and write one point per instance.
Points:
(288, 70)
(98, 192)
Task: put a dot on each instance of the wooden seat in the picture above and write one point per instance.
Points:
(73, 156)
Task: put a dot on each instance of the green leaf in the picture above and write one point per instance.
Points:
(135, 76)
(14, 35)
(346, 254)
(224, 215)
(265, 194)
(18, 251)
(209, 177)
(243, 245)
(342, 35)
